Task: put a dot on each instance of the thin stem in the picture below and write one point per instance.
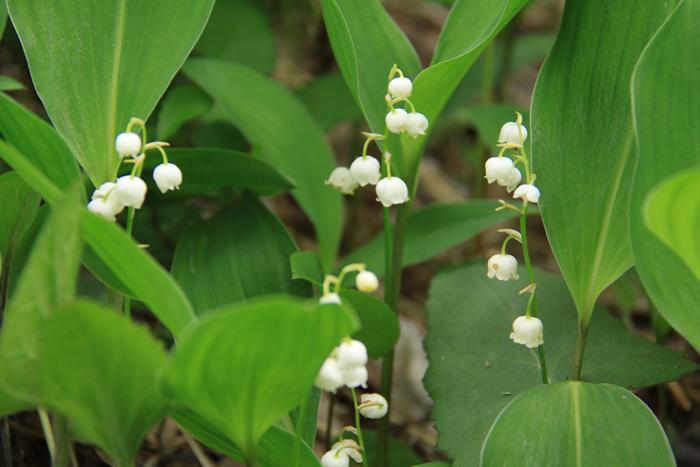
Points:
(580, 350)
(129, 227)
(531, 277)
(48, 432)
(61, 440)
(331, 405)
(387, 250)
(357, 427)
(301, 426)
(6, 441)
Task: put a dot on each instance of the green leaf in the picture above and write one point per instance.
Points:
(117, 257)
(271, 118)
(240, 31)
(240, 253)
(431, 230)
(400, 454)
(582, 140)
(47, 282)
(3, 18)
(273, 449)
(307, 265)
(367, 43)
(490, 118)
(10, 84)
(19, 207)
(210, 169)
(91, 85)
(329, 101)
(380, 326)
(97, 368)
(30, 173)
(576, 423)
(671, 212)
(38, 142)
(180, 104)
(665, 99)
(230, 366)
(475, 370)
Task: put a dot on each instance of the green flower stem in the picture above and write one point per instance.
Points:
(129, 227)
(329, 422)
(62, 440)
(580, 350)
(531, 277)
(301, 425)
(359, 430)
(387, 250)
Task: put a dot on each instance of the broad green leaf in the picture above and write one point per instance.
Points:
(97, 369)
(367, 43)
(307, 265)
(47, 282)
(10, 84)
(240, 253)
(274, 448)
(665, 94)
(582, 140)
(380, 325)
(476, 370)
(432, 230)
(38, 142)
(672, 211)
(240, 31)
(30, 173)
(92, 84)
(180, 104)
(229, 367)
(19, 207)
(271, 118)
(3, 18)
(580, 424)
(329, 101)
(204, 170)
(134, 270)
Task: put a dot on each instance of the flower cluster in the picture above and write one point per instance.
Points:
(366, 170)
(110, 198)
(527, 330)
(345, 366)
(340, 454)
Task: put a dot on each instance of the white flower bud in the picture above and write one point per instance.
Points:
(330, 299)
(349, 447)
(106, 192)
(167, 177)
(417, 124)
(373, 406)
(528, 331)
(367, 281)
(365, 170)
(342, 179)
(131, 191)
(400, 88)
(392, 191)
(528, 192)
(355, 376)
(103, 209)
(335, 458)
(352, 353)
(498, 169)
(128, 144)
(397, 120)
(510, 133)
(512, 180)
(103, 190)
(330, 376)
(503, 267)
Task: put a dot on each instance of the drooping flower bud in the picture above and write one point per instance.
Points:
(510, 133)
(366, 170)
(417, 124)
(367, 281)
(352, 353)
(527, 331)
(330, 299)
(373, 406)
(355, 376)
(167, 177)
(335, 458)
(528, 192)
(103, 209)
(342, 179)
(330, 376)
(392, 191)
(503, 267)
(400, 88)
(106, 192)
(397, 120)
(498, 169)
(512, 180)
(131, 191)
(128, 144)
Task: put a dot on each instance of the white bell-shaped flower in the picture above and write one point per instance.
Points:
(106, 192)
(342, 179)
(351, 353)
(330, 299)
(392, 191)
(400, 88)
(330, 377)
(527, 331)
(417, 124)
(366, 170)
(367, 281)
(350, 447)
(373, 406)
(397, 120)
(103, 209)
(510, 133)
(512, 180)
(103, 190)
(128, 144)
(335, 458)
(529, 193)
(131, 191)
(355, 376)
(503, 267)
(498, 169)
(167, 177)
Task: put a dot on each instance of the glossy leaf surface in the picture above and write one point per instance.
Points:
(180, 104)
(19, 206)
(380, 325)
(582, 140)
